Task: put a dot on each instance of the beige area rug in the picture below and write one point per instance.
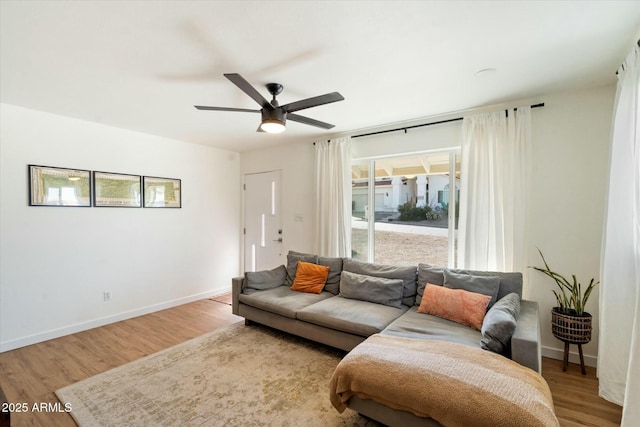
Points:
(237, 376)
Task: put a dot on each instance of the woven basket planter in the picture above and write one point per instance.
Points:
(570, 328)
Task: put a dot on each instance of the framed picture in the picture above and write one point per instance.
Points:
(162, 192)
(116, 190)
(51, 186)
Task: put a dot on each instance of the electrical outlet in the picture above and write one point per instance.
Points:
(107, 296)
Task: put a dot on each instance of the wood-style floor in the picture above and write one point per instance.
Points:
(32, 374)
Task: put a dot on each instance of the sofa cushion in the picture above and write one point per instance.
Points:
(373, 289)
(486, 285)
(500, 323)
(335, 268)
(509, 282)
(406, 273)
(292, 263)
(261, 280)
(282, 300)
(425, 326)
(430, 274)
(351, 316)
(468, 308)
(310, 277)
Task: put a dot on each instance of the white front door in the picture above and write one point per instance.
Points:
(262, 220)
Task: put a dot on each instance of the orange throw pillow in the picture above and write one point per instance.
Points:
(457, 305)
(310, 277)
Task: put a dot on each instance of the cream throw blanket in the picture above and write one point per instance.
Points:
(456, 385)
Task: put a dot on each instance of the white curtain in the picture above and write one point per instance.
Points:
(333, 198)
(494, 180)
(619, 341)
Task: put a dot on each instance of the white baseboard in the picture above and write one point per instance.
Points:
(83, 326)
(574, 356)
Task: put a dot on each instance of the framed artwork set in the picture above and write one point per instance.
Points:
(53, 186)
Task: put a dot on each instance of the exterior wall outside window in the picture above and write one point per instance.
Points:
(409, 192)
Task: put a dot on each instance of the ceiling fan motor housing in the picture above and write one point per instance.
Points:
(277, 114)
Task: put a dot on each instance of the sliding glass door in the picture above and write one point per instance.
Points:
(404, 208)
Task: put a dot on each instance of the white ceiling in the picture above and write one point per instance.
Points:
(142, 65)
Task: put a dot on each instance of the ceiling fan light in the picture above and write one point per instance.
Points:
(272, 126)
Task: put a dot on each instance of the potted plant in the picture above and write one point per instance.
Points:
(569, 320)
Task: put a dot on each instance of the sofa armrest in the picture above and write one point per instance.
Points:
(525, 342)
(236, 290)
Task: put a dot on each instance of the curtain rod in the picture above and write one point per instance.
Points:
(426, 124)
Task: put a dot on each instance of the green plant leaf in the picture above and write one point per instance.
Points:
(570, 295)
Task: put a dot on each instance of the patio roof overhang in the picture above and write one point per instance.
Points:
(410, 166)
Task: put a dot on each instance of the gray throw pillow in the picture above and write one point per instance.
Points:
(373, 289)
(428, 274)
(407, 274)
(500, 323)
(261, 280)
(335, 268)
(485, 285)
(292, 263)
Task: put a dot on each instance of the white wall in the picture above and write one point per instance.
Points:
(55, 263)
(566, 204)
(571, 137)
(426, 138)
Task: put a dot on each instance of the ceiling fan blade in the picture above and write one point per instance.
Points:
(313, 102)
(242, 110)
(308, 121)
(246, 87)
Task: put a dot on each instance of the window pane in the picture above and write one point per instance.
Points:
(452, 263)
(411, 201)
(359, 211)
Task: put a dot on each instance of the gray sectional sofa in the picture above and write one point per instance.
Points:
(345, 318)
(361, 299)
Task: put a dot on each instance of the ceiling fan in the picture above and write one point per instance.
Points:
(274, 115)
